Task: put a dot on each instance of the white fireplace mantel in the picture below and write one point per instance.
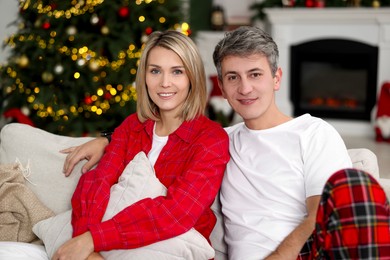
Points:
(290, 26)
(329, 14)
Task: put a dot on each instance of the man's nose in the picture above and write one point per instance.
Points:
(245, 87)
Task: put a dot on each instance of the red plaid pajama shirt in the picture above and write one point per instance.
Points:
(191, 165)
(353, 220)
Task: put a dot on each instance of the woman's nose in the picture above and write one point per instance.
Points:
(166, 80)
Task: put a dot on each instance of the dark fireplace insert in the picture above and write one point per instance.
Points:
(334, 78)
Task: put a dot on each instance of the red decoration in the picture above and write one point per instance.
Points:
(88, 100)
(216, 90)
(309, 3)
(124, 12)
(46, 25)
(16, 113)
(107, 96)
(319, 3)
(148, 30)
(383, 113)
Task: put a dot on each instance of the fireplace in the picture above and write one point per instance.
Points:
(333, 78)
(365, 29)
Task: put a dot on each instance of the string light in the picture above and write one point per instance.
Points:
(85, 58)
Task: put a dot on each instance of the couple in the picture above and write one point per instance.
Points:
(287, 192)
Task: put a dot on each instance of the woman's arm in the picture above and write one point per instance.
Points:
(80, 247)
(92, 193)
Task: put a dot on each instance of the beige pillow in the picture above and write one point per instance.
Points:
(137, 181)
(39, 151)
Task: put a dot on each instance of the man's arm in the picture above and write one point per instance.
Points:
(291, 246)
(92, 151)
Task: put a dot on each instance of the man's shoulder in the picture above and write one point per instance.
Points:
(309, 122)
(230, 130)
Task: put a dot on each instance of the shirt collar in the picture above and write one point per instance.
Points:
(187, 131)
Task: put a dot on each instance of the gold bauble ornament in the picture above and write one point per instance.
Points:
(47, 77)
(376, 4)
(105, 30)
(38, 23)
(23, 61)
(94, 65)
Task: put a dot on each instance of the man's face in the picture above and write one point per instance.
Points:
(248, 85)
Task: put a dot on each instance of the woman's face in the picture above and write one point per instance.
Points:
(166, 80)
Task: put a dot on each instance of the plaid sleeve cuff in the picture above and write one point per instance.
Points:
(106, 236)
(80, 226)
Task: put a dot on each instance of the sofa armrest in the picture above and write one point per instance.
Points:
(364, 159)
(38, 151)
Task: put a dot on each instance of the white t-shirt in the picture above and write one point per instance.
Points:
(157, 145)
(268, 178)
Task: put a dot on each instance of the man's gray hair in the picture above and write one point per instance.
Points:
(245, 41)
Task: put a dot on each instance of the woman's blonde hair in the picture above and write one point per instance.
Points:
(186, 49)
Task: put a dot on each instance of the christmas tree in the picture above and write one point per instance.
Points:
(73, 63)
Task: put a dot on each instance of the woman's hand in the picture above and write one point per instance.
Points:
(80, 247)
(95, 256)
(92, 151)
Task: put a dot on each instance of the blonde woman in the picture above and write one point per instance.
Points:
(188, 151)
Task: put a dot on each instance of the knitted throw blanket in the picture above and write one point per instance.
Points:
(20, 209)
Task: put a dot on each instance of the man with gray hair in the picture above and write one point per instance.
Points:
(279, 166)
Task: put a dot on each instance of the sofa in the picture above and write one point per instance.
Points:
(36, 152)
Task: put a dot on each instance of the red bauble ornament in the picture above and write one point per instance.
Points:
(46, 25)
(107, 96)
(148, 30)
(124, 12)
(88, 100)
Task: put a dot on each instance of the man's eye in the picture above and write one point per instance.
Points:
(256, 75)
(233, 77)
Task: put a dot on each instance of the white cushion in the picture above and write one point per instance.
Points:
(137, 181)
(40, 149)
(21, 251)
(364, 159)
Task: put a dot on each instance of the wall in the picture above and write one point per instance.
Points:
(236, 11)
(8, 13)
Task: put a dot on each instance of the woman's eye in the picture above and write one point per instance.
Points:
(177, 72)
(154, 71)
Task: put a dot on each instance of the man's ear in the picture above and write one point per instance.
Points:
(220, 85)
(277, 79)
